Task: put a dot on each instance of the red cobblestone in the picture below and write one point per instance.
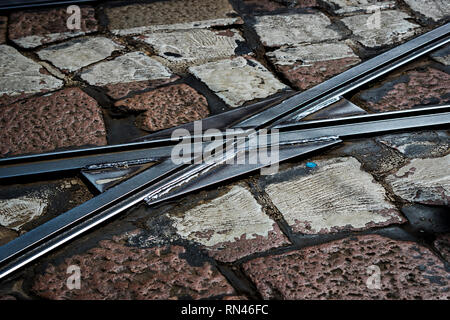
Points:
(31, 29)
(114, 270)
(3, 28)
(120, 90)
(415, 88)
(442, 243)
(304, 78)
(66, 118)
(167, 107)
(339, 270)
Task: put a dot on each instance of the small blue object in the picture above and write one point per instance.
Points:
(311, 165)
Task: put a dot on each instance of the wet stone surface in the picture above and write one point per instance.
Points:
(192, 47)
(308, 65)
(6, 235)
(21, 76)
(230, 227)
(423, 180)
(442, 55)
(418, 144)
(166, 107)
(170, 15)
(347, 7)
(75, 54)
(431, 9)
(335, 196)
(25, 207)
(394, 27)
(66, 118)
(417, 87)
(3, 28)
(375, 158)
(30, 29)
(238, 80)
(442, 244)
(342, 270)
(133, 71)
(115, 270)
(289, 29)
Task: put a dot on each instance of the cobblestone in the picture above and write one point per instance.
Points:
(114, 270)
(432, 9)
(166, 107)
(3, 29)
(6, 235)
(335, 196)
(425, 86)
(238, 80)
(133, 71)
(442, 55)
(14, 213)
(230, 226)
(423, 180)
(21, 76)
(192, 47)
(78, 53)
(418, 144)
(279, 30)
(35, 28)
(347, 7)
(342, 269)
(394, 28)
(66, 118)
(308, 65)
(171, 15)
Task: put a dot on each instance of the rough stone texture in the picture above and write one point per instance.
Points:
(170, 15)
(78, 53)
(30, 29)
(231, 226)
(167, 107)
(3, 28)
(120, 90)
(424, 181)
(442, 55)
(442, 244)
(6, 235)
(418, 144)
(432, 9)
(237, 80)
(339, 270)
(66, 118)
(308, 65)
(419, 87)
(14, 213)
(257, 7)
(345, 7)
(279, 30)
(394, 27)
(21, 76)
(336, 196)
(131, 67)
(189, 47)
(115, 271)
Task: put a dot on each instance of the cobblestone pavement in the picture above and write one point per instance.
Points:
(368, 219)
